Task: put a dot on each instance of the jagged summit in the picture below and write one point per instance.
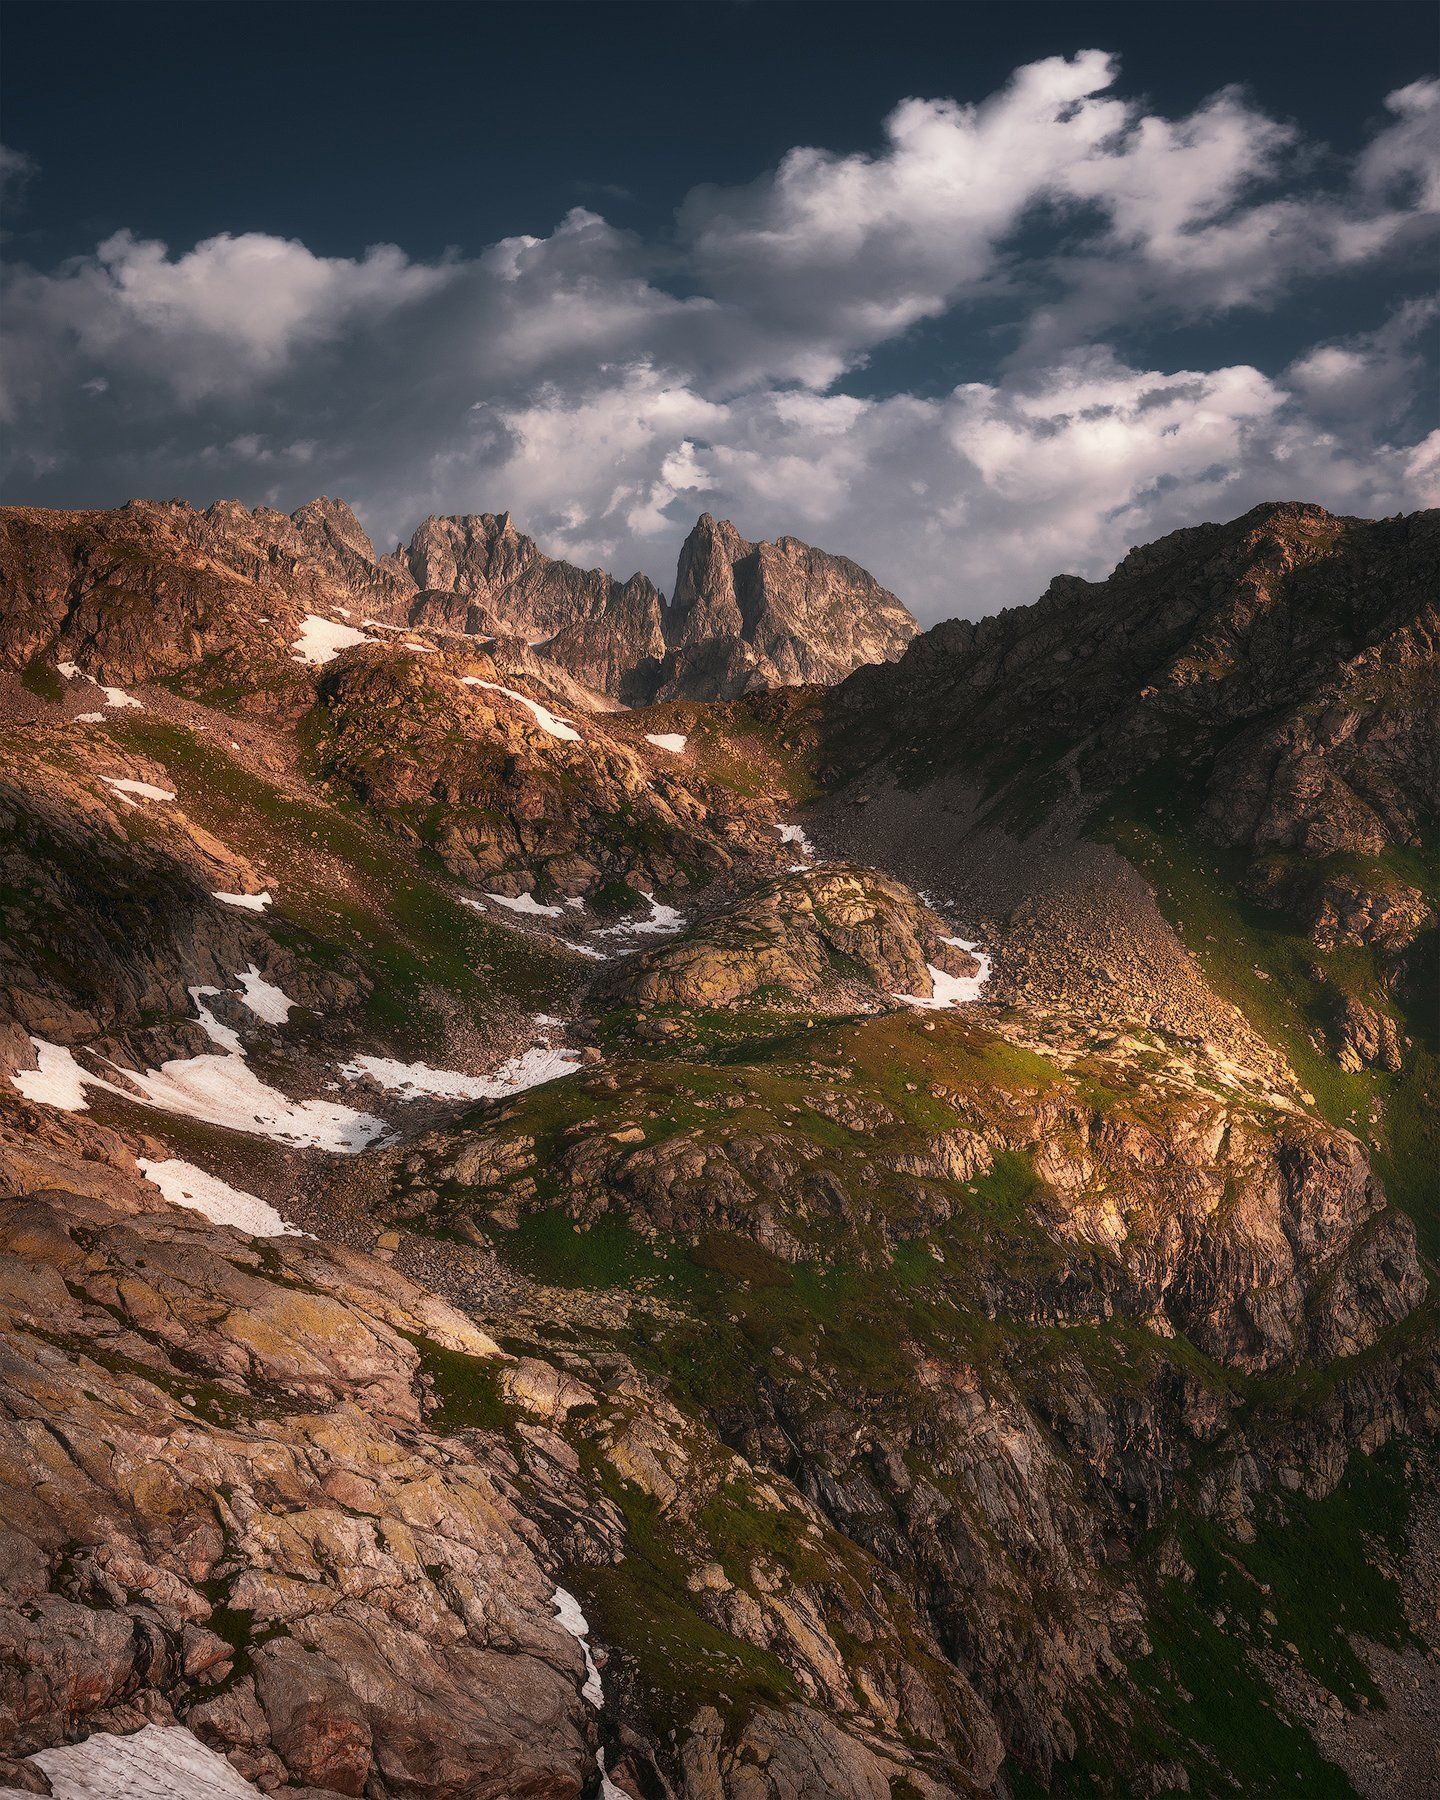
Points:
(746, 616)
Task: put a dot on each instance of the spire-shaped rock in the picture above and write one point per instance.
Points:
(749, 615)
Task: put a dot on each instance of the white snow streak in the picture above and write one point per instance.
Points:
(264, 999)
(526, 903)
(662, 921)
(674, 741)
(142, 790)
(217, 1089)
(952, 990)
(114, 696)
(412, 1081)
(223, 1035)
(183, 1184)
(251, 902)
(544, 718)
(572, 1619)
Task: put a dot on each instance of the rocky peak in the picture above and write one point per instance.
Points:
(750, 615)
(330, 524)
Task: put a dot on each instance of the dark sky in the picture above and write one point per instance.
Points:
(431, 124)
(444, 128)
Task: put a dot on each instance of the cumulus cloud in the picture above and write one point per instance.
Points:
(605, 388)
(964, 502)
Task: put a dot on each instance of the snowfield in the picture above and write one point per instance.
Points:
(673, 741)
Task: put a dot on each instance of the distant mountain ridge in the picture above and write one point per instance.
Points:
(745, 615)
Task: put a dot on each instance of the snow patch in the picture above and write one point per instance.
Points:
(216, 1089)
(573, 1620)
(795, 834)
(88, 719)
(183, 1184)
(114, 696)
(141, 790)
(413, 1081)
(322, 640)
(528, 904)
(674, 741)
(224, 1090)
(264, 999)
(952, 990)
(662, 921)
(544, 718)
(251, 902)
(525, 903)
(158, 1762)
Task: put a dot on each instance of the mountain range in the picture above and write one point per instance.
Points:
(716, 1196)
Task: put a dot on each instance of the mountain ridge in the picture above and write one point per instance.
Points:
(808, 615)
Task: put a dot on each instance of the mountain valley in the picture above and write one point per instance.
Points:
(716, 1196)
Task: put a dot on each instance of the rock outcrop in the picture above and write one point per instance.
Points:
(1283, 667)
(826, 940)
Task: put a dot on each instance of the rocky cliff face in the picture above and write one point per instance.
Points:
(607, 633)
(1285, 661)
(869, 1243)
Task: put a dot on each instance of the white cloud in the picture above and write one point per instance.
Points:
(605, 388)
